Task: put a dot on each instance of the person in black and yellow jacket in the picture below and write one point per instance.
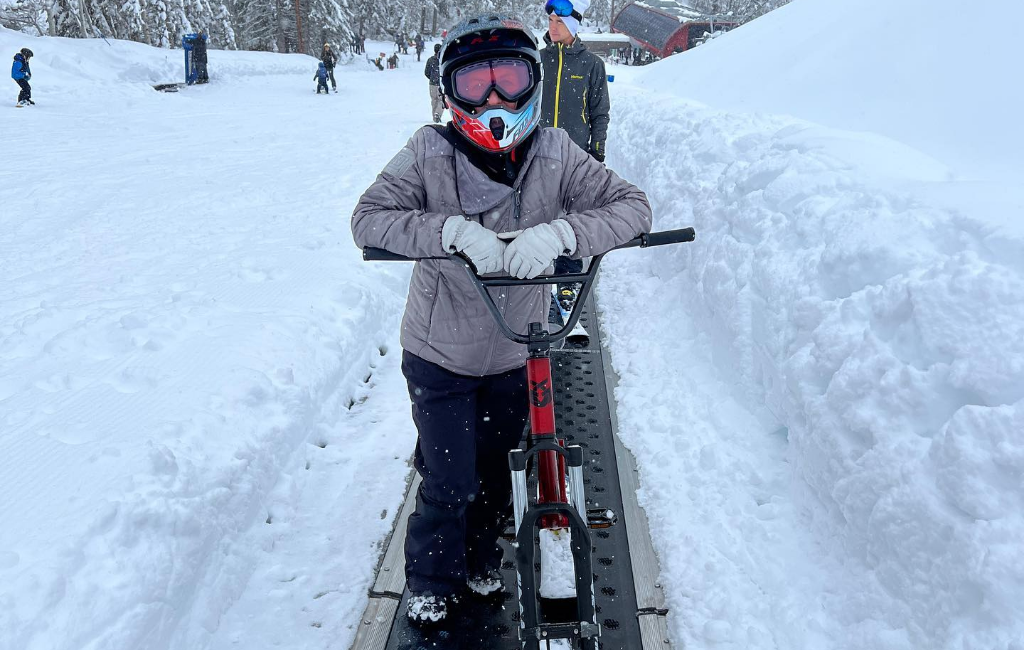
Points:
(576, 100)
(575, 85)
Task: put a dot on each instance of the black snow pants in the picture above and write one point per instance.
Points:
(330, 75)
(26, 90)
(466, 425)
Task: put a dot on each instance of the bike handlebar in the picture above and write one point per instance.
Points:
(683, 235)
(645, 240)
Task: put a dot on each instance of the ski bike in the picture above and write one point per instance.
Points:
(559, 504)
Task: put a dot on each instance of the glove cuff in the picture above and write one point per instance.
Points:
(451, 231)
(566, 235)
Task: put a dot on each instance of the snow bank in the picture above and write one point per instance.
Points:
(63, 66)
(833, 457)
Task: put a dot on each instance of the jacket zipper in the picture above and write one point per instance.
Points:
(502, 304)
(503, 298)
(583, 113)
(558, 83)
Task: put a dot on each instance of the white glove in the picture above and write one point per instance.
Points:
(480, 244)
(534, 249)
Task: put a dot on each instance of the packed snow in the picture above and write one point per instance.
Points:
(204, 431)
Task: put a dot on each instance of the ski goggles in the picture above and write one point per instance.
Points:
(511, 78)
(562, 8)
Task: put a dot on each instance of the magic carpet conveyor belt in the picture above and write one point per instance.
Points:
(630, 603)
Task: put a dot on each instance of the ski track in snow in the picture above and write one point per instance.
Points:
(192, 358)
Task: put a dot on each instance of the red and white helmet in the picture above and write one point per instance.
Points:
(499, 50)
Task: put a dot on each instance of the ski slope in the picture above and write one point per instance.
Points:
(204, 433)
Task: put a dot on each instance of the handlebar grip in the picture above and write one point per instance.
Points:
(680, 236)
(371, 254)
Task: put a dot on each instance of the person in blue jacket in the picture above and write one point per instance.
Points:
(21, 73)
(321, 78)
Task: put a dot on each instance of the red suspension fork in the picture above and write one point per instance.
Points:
(550, 466)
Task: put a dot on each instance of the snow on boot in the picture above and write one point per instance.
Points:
(487, 583)
(427, 609)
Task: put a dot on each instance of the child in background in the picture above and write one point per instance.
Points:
(321, 78)
(21, 74)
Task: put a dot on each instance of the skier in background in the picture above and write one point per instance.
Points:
(321, 78)
(434, 77)
(420, 46)
(329, 58)
(466, 381)
(21, 73)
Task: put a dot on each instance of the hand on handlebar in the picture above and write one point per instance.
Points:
(534, 249)
(479, 244)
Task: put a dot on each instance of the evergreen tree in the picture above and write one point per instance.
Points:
(329, 23)
(256, 24)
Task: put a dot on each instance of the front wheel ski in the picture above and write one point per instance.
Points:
(579, 336)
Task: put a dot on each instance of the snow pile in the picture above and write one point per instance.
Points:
(833, 456)
(64, 65)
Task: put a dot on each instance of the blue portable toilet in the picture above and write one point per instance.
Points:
(195, 58)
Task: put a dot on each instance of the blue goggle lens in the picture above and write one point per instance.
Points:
(561, 8)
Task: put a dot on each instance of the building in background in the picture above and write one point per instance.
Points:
(663, 27)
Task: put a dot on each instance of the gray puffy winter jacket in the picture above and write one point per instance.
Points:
(428, 181)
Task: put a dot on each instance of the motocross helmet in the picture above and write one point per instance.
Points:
(492, 52)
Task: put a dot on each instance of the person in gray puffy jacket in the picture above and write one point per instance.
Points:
(454, 189)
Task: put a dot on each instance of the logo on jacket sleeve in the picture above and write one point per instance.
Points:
(400, 163)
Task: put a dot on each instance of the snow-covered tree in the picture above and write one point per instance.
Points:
(30, 16)
(743, 10)
(329, 22)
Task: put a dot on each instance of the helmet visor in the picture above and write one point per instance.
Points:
(511, 78)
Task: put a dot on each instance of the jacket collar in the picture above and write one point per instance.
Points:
(575, 47)
(477, 191)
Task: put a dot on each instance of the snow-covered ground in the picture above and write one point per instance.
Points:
(204, 433)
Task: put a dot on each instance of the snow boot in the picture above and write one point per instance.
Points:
(567, 294)
(426, 609)
(487, 583)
